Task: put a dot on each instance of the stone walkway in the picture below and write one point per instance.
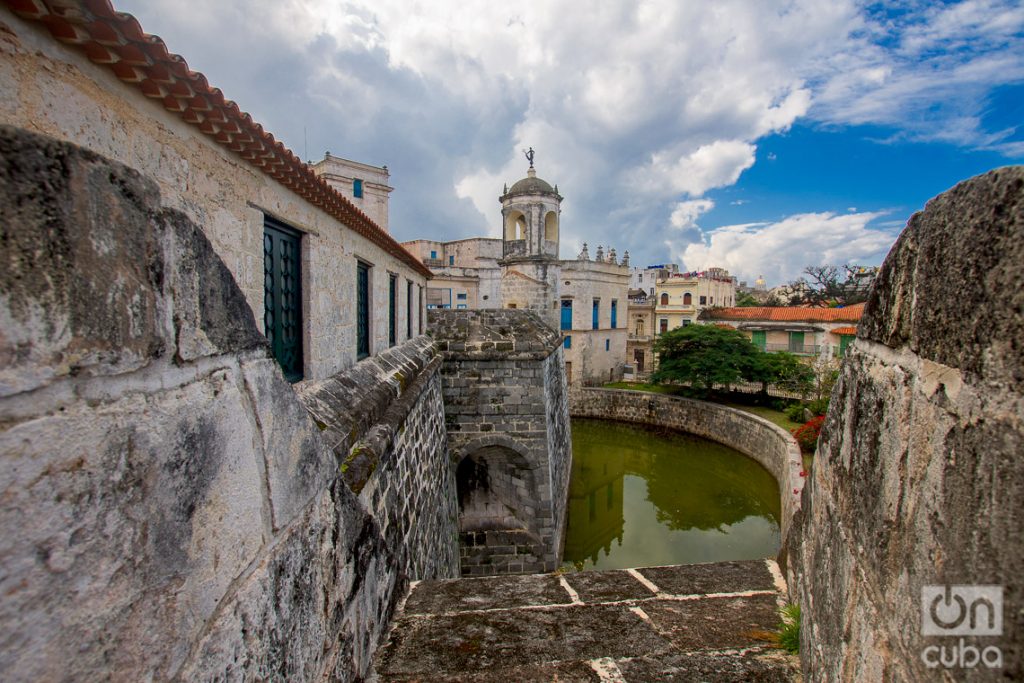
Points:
(685, 623)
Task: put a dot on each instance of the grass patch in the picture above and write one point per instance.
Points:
(640, 386)
(774, 416)
(789, 629)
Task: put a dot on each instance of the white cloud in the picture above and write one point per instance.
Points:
(685, 214)
(781, 250)
(632, 105)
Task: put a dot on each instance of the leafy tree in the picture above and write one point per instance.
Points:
(705, 355)
(785, 370)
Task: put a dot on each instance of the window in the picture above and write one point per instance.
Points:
(419, 310)
(357, 188)
(703, 300)
(652, 291)
(760, 339)
(362, 310)
(639, 327)
(615, 313)
(408, 310)
(566, 315)
(641, 277)
(461, 296)
(712, 301)
(392, 309)
(663, 325)
(688, 299)
(664, 298)
(686, 322)
(567, 342)
(451, 260)
(796, 342)
(844, 343)
(282, 296)
(607, 344)
(433, 254)
(597, 313)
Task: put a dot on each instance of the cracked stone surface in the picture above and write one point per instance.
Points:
(694, 622)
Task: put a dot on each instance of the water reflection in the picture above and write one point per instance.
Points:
(639, 497)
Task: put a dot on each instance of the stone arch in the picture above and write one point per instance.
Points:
(551, 226)
(497, 486)
(515, 225)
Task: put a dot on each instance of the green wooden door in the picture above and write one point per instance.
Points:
(796, 342)
(760, 339)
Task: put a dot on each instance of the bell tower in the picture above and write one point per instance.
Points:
(530, 212)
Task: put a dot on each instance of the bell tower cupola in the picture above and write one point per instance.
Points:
(530, 212)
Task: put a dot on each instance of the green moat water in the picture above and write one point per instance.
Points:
(639, 497)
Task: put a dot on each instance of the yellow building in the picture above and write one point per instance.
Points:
(680, 298)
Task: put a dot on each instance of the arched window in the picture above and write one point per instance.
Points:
(687, 299)
(664, 298)
(515, 226)
(551, 227)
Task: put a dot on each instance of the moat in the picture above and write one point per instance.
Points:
(641, 497)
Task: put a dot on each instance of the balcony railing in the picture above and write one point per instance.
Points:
(638, 337)
(799, 349)
(433, 262)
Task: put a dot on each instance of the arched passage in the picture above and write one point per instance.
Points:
(496, 491)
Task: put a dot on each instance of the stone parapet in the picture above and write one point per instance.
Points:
(919, 477)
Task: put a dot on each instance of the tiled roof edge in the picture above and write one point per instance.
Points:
(116, 40)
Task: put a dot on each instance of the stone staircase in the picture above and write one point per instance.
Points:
(704, 622)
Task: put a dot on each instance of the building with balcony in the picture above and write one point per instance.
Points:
(640, 333)
(680, 298)
(803, 331)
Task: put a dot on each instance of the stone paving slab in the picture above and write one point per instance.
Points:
(687, 623)
(727, 667)
(607, 586)
(716, 577)
(457, 595)
(714, 623)
(477, 641)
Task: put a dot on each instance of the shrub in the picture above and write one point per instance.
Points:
(795, 412)
(807, 434)
(818, 406)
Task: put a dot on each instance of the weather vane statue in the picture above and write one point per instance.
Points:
(529, 156)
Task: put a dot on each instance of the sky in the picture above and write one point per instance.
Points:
(760, 136)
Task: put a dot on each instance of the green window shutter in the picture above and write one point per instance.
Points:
(760, 339)
(282, 296)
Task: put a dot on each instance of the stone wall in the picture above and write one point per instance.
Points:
(384, 421)
(504, 392)
(756, 437)
(919, 476)
(168, 509)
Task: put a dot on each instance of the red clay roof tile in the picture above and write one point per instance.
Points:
(786, 313)
(116, 39)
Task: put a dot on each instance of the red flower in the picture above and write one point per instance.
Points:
(807, 434)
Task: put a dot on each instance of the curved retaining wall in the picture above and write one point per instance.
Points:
(768, 444)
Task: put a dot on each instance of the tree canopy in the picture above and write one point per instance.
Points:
(705, 355)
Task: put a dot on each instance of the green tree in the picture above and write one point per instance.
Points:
(784, 370)
(705, 355)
